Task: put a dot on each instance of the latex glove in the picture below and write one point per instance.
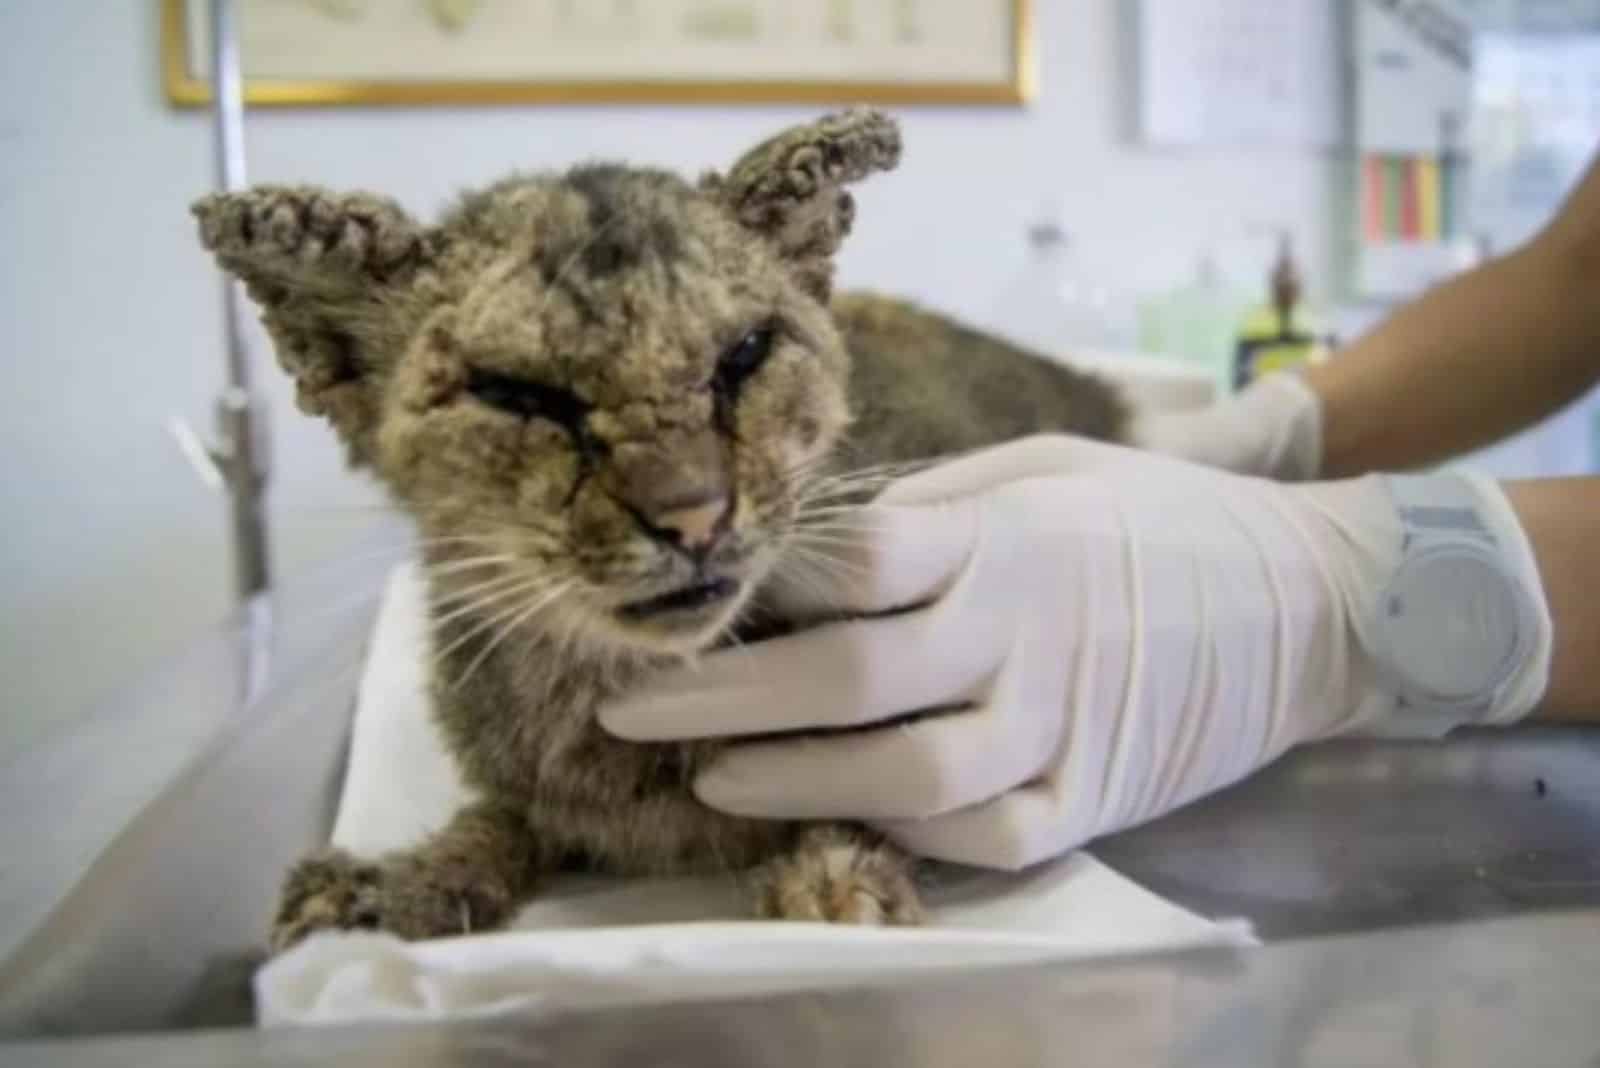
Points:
(1119, 633)
(1271, 428)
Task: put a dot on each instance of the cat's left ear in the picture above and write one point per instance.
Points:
(790, 188)
(330, 271)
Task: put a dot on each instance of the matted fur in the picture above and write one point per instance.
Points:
(651, 457)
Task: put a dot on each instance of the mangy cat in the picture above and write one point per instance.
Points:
(614, 401)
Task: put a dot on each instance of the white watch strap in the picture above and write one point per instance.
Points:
(1463, 632)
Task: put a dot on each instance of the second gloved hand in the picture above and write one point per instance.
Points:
(1272, 428)
(1086, 637)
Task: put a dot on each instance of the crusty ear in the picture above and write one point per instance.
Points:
(326, 269)
(790, 188)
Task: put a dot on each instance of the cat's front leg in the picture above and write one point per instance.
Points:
(468, 877)
(838, 874)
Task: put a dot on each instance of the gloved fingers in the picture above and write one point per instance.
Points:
(1013, 831)
(1273, 428)
(912, 770)
(1041, 455)
(873, 559)
(848, 674)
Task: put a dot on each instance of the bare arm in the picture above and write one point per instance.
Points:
(1477, 358)
(1562, 519)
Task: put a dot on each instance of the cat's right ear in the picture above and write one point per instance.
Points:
(326, 269)
(790, 188)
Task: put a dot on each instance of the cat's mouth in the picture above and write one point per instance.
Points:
(684, 599)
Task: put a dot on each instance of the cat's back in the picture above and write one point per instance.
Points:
(923, 384)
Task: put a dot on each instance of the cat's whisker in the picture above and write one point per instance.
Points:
(836, 573)
(466, 565)
(488, 541)
(859, 536)
(801, 565)
(414, 547)
(824, 541)
(533, 608)
(394, 549)
(475, 595)
(841, 519)
(805, 467)
(832, 489)
(531, 587)
(376, 507)
(893, 467)
(834, 567)
(470, 536)
(564, 641)
(744, 613)
(861, 491)
(851, 499)
(347, 603)
(441, 657)
(855, 540)
(469, 563)
(732, 635)
(890, 470)
(814, 579)
(858, 517)
(842, 526)
(876, 472)
(852, 541)
(498, 595)
(854, 509)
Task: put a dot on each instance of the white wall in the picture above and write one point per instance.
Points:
(114, 554)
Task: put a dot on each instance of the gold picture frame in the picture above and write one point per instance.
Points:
(186, 88)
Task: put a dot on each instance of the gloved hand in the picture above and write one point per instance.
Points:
(1272, 428)
(1105, 635)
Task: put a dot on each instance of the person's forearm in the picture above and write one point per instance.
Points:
(1475, 360)
(1562, 520)
(1478, 358)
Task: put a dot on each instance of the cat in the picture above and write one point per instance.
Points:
(613, 400)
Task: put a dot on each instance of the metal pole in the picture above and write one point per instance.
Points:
(241, 451)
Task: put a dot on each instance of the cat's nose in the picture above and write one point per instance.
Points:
(680, 491)
(694, 526)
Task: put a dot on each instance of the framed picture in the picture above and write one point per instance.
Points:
(413, 52)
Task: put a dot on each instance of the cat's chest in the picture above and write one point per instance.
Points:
(535, 742)
(542, 735)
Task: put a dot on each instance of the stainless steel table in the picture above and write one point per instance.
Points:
(1439, 890)
(1352, 836)
(1515, 991)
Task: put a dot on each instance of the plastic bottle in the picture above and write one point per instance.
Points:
(1194, 322)
(1060, 305)
(1277, 335)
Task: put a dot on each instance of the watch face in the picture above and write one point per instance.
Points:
(1451, 624)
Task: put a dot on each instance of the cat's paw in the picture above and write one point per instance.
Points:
(325, 891)
(334, 891)
(837, 875)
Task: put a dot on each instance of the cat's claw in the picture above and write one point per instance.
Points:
(333, 890)
(840, 876)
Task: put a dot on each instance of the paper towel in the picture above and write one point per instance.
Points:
(587, 940)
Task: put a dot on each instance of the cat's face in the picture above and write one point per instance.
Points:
(599, 393)
(617, 412)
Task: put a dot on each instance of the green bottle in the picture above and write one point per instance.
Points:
(1276, 336)
(1195, 322)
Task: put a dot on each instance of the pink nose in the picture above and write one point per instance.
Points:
(680, 491)
(697, 526)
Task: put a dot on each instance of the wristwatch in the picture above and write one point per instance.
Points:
(1455, 620)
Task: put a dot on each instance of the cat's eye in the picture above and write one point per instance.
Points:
(526, 399)
(742, 359)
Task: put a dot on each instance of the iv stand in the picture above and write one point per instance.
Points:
(237, 459)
